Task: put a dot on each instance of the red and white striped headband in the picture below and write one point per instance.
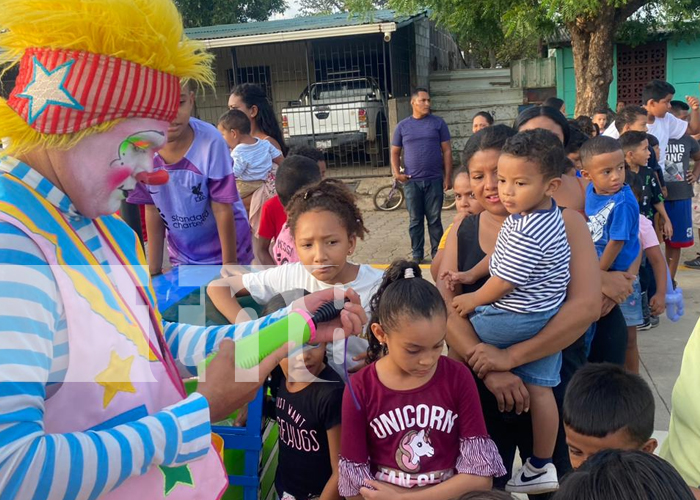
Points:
(61, 91)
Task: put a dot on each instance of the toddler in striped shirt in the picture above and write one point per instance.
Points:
(529, 277)
(253, 158)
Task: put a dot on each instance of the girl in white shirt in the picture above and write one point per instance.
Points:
(325, 222)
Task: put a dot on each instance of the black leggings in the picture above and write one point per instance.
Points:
(609, 343)
(509, 430)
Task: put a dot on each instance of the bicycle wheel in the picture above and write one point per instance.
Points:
(449, 201)
(388, 198)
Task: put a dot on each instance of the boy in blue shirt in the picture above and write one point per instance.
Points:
(613, 219)
(612, 210)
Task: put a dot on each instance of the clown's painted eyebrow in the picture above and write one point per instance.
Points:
(142, 140)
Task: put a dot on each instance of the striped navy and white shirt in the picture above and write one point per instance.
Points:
(533, 254)
(34, 354)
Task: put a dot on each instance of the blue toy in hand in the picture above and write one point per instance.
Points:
(674, 300)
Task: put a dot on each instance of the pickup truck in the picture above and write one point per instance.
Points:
(341, 116)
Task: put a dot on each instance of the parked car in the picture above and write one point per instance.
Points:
(340, 116)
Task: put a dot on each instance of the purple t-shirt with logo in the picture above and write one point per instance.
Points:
(421, 141)
(204, 174)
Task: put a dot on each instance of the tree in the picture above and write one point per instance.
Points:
(490, 43)
(324, 7)
(320, 7)
(593, 31)
(592, 25)
(196, 13)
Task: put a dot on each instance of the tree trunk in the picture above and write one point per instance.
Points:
(592, 42)
(492, 58)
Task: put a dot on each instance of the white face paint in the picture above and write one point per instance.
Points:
(96, 173)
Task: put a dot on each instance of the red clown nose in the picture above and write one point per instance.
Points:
(157, 178)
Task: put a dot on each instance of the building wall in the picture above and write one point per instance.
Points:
(288, 65)
(445, 54)
(401, 50)
(566, 80)
(287, 70)
(458, 95)
(421, 60)
(683, 67)
(416, 50)
(212, 103)
(682, 71)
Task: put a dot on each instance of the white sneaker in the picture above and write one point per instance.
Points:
(531, 480)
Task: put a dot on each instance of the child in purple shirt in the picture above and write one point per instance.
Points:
(201, 177)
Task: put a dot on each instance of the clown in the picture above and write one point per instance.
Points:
(92, 401)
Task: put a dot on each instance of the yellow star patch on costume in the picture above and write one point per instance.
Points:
(47, 87)
(116, 377)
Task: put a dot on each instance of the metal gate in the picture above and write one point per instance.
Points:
(331, 94)
(638, 66)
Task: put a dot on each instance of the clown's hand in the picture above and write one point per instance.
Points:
(228, 388)
(351, 320)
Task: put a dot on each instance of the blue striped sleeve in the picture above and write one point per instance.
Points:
(191, 344)
(35, 465)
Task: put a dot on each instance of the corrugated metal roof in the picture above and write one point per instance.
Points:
(298, 24)
(562, 38)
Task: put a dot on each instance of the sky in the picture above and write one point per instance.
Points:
(292, 11)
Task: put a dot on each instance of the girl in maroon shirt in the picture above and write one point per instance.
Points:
(417, 426)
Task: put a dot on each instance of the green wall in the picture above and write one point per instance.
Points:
(566, 81)
(682, 71)
(683, 67)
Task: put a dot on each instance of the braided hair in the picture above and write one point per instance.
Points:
(399, 296)
(328, 195)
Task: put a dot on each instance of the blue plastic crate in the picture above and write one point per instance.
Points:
(186, 287)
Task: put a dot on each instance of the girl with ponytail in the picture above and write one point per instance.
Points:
(415, 420)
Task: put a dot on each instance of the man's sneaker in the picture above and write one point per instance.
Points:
(534, 481)
(693, 264)
(655, 321)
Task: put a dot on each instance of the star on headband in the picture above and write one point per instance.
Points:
(47, 88)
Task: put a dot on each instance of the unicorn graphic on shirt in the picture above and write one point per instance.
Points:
(413, 446)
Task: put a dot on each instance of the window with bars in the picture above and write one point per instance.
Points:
(637, 66)
(259, 75)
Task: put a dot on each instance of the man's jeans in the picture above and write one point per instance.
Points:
(424, 199)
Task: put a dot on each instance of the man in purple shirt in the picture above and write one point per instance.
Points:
(425, 142)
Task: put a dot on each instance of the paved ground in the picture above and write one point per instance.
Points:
(661, 348)
(388, 231)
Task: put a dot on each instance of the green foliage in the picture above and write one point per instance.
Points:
(678, 20)
(486, 29)
(197, 13)
(324, 7)
(513, 27)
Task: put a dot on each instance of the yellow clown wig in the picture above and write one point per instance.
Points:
(84, 65)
